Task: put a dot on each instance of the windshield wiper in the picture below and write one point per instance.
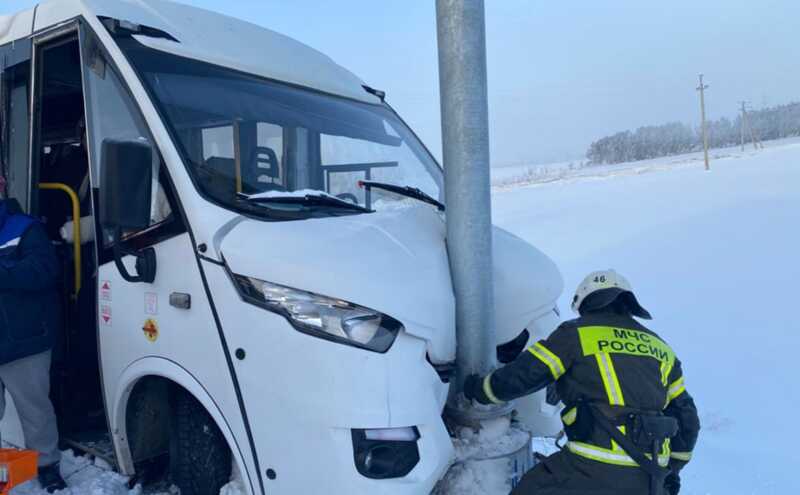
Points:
(408, 191)
(310, 200)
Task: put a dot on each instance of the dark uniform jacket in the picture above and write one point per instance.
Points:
(30, 313)
(612, 361)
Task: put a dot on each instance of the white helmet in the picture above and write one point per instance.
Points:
(613, 285)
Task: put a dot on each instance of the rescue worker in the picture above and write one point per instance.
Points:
(611, 372)
(30, 316)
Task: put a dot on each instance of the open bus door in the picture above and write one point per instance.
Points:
(15, 114)
(46, 165)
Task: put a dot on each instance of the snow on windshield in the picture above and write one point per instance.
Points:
(302, 193)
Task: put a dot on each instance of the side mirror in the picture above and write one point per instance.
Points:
(126, 181)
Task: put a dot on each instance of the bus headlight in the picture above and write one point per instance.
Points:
(321, 316)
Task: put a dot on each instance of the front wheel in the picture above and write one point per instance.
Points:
(199, 456)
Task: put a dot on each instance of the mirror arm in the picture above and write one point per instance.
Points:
(145, 261)
(118, 254)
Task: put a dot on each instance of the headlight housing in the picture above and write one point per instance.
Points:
(321, 316)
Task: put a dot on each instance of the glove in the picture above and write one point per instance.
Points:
(672, 484)
(552, 395)
(473, 389)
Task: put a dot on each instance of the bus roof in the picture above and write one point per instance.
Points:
(202, 35)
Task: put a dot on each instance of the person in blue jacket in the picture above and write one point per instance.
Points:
(30, 318)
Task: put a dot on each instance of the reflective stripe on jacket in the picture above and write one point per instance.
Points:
(604, 358)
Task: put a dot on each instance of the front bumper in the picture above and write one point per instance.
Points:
(304, 396)
(309, 442)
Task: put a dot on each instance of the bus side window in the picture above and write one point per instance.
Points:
(15, 119)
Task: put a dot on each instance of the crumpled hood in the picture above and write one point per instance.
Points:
(393, 261)
(527, 285)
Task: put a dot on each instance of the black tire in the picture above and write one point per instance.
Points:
(199, 457)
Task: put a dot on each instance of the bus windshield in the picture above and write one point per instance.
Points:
(247, 137)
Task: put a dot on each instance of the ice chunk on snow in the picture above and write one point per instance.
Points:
(235, 487)
(85, 477)
(102, 464)
(476, 478)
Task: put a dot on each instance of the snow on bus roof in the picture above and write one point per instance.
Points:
(15, 26)
(202, 35)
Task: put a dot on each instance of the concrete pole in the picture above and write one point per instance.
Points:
(465, 141)
(702, 88)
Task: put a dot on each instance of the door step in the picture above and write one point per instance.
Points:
(95, 443)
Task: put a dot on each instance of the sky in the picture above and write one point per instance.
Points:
(561, 74)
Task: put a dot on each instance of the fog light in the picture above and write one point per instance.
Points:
(386, 453)
(393, 434)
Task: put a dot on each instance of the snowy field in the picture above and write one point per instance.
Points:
(508, 177)
(713, 255)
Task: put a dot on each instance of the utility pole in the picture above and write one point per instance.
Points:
(465, 144)
(702, 88)
(755, 135)
(461, 34)
(746, 122)
(741, 123)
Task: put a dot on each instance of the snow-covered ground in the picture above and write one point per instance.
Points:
(95, 477)
(508, 177)
(715, 256)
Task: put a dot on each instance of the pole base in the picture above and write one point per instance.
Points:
(464, 413)
(491, 461)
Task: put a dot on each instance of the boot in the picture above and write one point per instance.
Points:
(50, 478)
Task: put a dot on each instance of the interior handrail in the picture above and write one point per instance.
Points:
(76, 228)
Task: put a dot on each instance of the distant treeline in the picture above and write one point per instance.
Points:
(676, 138)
